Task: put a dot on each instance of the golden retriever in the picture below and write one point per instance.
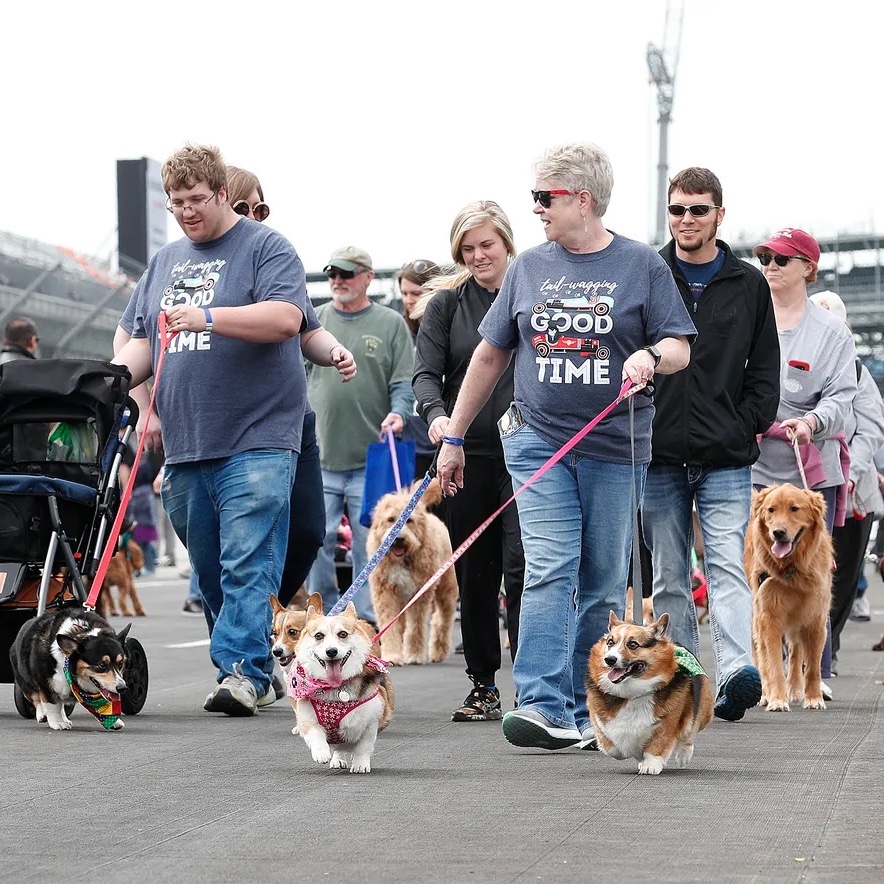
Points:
(788, 561)
(422, 546)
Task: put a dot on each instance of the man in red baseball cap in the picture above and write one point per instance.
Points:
(791, 241)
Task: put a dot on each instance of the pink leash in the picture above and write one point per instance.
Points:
(627, 390)
(391, 442)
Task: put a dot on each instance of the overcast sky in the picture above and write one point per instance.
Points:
(373, 123)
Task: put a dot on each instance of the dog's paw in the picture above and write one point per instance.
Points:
(651, 764)
(321, 755)
(763, 700)
(338, 761)
(41, 714)
(63, 725)
(394, 659)
(295, 731)
(777, 705)
(360, 765)
(681, 757)
(814, 703)
(118, 724)
(414, 660)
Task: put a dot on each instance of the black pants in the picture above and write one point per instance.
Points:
(850, 542)
(496, 554)
(878, 548)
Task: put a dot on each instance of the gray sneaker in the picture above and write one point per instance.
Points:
(276, 691)
(528, 728)
(861, 610)
(588, 740)
(235, 695)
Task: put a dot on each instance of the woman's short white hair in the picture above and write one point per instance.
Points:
(579, 167)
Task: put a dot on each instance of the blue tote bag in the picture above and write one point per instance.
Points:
(380, 474)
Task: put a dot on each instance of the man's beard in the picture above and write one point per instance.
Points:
(698, 244)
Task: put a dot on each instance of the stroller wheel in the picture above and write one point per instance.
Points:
(135, 695)
(23, 705)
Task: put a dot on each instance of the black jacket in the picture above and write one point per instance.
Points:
(12, 352)
(447, 337)
(709, 413)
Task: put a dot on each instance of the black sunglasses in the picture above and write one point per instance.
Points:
(332, 272)
(544, 197)
(780, 260)
(261, 211)
(700, 210)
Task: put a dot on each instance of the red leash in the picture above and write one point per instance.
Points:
(626, 391)
(110, 546)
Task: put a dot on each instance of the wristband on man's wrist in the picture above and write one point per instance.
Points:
(453, 440)
(208, 313)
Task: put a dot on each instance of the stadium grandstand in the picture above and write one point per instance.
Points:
(77, 301)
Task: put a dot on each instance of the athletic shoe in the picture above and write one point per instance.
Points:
(741, 691)
(861, 610)
(268, 698)
(588, 740)
(235, 695)
(192, 607)
(826, 691)
(528, 728)
(482, 704)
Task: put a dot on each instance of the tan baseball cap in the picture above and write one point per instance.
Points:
(349, 258)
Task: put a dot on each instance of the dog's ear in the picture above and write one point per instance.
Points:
(275, 605)
(817, 504)
(67, 644)
(121, 635)
(316, 601)
(350, 611)
(758, 500)
(661, 626)
(613, 620)
(313, 613)
(648, 610)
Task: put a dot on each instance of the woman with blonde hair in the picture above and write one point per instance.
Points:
(481, 247)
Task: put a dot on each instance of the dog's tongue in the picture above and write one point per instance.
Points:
(615, 674)
(781, 548)
(333, 673)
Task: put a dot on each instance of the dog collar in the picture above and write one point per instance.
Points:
(108, 712)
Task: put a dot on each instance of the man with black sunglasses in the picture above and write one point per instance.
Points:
(704, 433)
(348, 420)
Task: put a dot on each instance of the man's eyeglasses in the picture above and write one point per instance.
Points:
(333, 272)
(780, 260)
(197, 203)
(544, 197)
(699, 210)
(261, 211)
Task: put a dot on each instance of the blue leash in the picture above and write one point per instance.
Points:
(386, 543)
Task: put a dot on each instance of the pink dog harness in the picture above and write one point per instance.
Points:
(329, 713)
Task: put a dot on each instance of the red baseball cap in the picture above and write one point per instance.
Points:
(792, 241)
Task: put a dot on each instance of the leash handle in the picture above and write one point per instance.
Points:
(110, 546)
(793, 437)
(626, 390)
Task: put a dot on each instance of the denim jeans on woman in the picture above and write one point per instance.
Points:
(722, 497)
(577, 524)
(232, 514)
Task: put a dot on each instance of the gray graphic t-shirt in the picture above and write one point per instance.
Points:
(573, 320)
(220, 396)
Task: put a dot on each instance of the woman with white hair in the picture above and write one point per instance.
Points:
(578, 315)
(864, 429)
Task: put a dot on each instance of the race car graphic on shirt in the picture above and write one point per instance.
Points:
(196, 291)
(195, 286)
(599, 304)
(544, 345)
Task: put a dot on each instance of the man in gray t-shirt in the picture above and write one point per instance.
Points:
(231, 396)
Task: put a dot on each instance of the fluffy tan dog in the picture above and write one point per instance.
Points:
(414, 557)
(788, 564)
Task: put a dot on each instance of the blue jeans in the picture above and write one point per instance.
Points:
(577, 524)
(722, 496)
(232, 514)
(338, 486)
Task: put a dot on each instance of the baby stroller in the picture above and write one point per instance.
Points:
(64, 424)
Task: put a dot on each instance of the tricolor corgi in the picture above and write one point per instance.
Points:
(647, 698)
(67, 654)
(341, 692)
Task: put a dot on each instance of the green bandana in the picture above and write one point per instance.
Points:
(107, 711)
(687, 662)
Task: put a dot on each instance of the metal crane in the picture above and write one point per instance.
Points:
(662, 64)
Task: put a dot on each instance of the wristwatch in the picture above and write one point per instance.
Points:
(655, 353)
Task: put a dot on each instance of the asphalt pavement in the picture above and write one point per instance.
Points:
(181, 795)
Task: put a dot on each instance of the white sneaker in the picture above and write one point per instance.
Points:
(235, 695)
(276, 691)
(528, 728)
(588, 740)
(861, 610)
(826, 691)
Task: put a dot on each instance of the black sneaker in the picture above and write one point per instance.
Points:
(192, 606)
(482, 704)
